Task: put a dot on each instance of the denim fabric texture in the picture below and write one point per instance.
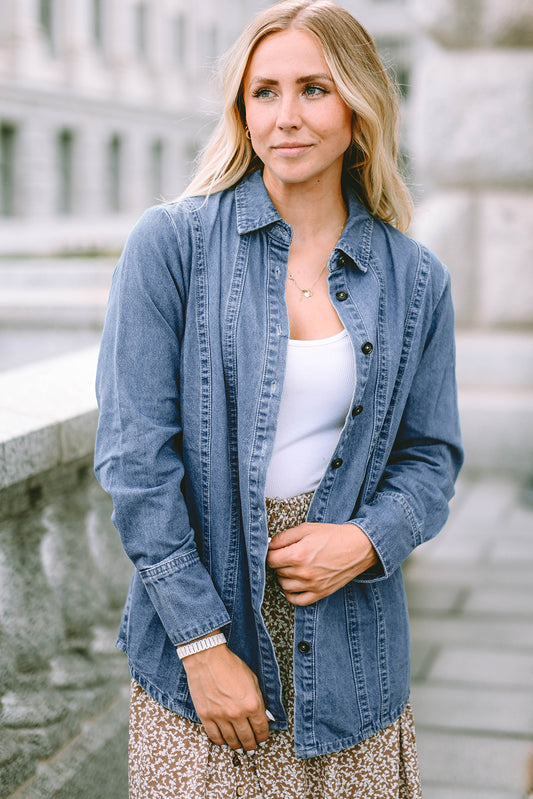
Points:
(189, 382)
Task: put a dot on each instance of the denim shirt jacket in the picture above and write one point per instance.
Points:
(189, 383)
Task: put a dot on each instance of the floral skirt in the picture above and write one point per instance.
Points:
(171, 757)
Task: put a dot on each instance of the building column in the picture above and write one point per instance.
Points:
(38, 167)
(22, 36)
(472, 118)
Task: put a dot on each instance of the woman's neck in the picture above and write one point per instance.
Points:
(311, 211)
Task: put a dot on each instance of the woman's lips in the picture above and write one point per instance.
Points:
(291, 149)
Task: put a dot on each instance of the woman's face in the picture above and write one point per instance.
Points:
(299, 126)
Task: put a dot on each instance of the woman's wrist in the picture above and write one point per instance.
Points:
(201, 644)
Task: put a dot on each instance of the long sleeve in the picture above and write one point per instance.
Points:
(410, 505)
(138, 449)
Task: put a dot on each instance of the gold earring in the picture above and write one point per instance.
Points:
(247, 133)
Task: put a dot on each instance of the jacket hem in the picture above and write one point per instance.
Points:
(169, 702)
(339, 744)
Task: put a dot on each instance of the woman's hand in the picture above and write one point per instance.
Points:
(226, 695)
(313, 560)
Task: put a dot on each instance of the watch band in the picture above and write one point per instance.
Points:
(199, 646)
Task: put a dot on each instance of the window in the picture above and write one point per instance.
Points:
(156, 170)
(141, 38)
(179, 41)
(114, 173)
(97, 23)
(46, 21)
(8, 134)
(65, 148)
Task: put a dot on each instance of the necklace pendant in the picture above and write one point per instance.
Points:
(307, 293)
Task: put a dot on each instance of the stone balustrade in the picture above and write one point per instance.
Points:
(63, 579)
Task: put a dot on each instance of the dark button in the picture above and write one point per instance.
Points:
(236, 760)
(337, 463)
(367, 348)
(357, 410)
(304, 647)
(342, 260)
(341, 296)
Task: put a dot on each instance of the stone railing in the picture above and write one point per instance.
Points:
(63, 579)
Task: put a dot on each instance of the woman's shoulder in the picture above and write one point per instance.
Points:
(404, 253)
(177, 223)
(191, 210)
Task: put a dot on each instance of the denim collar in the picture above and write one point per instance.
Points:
(255, 211)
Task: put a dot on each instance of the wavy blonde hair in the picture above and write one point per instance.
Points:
(371, 161)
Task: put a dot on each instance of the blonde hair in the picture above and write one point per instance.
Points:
(371, 162)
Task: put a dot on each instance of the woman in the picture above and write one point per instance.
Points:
(278, 431)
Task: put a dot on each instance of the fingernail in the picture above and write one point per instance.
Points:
(261, 744)
(240, 751)
(269, 715)
(250, 752)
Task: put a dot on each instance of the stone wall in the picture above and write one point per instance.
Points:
(63, 579)
(471, 121)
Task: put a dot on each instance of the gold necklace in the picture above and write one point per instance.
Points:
(306, 292)
(309, 292)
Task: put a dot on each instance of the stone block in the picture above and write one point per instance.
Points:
(30, 453)
(467, 23)
(495, 359)
(77, 436)
(499, 601)
(497, 430)
(484, 666)
(508, 552)
(517, 576)
(92, 766)
(505, 258)
(471, 117)
(432, 791)
(475, 762)
(48, 413)
(445, 224)
(429, 598)
(473, 709)
(422, 655)
(468, 632)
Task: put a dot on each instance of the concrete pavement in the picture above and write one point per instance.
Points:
(470, 594)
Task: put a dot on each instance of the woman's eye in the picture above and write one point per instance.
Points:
(262, 93)
(314, 91)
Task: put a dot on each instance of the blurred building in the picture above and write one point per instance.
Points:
(104, 103)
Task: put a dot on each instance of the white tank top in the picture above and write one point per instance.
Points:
(317, 393)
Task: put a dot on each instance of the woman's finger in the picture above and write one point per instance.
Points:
(245, 734)
(259, 724)
(229, 734)
(289, 536)
(213, 733)
(302, 598)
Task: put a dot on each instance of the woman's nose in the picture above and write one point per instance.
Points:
(288, 113)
